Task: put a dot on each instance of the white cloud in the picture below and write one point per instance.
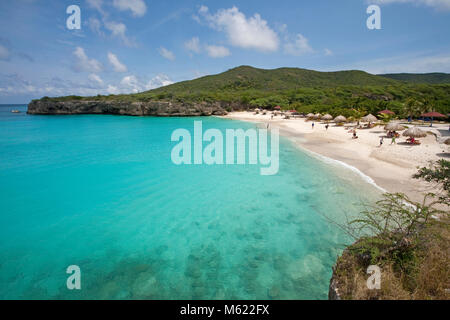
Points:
(83, 63)
(203, 9)
(243, 32)
(298, 47)
(137, 7)
(439, 63)
(328, 52)
(166, 53)
(112, 89)
(95, 79)
(4, 53)
(96, 26)
(193, 45)
(96, 4)
(438, 4)
(15, 84)
(196, 18)
(399, 64)
(7, 52)
(198, 73)
(11, 84)
(115, 62)
(217, 51)
(282, 28)
(132, 84)
(160, 80)
(119, 30)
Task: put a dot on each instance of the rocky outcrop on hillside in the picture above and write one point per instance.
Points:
(152, 108)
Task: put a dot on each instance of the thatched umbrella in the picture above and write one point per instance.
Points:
(393, 126)
(447, 142)
(317, 116)
(369, 118)
(433, 115)
(414, 132)
(310, 115)
(327, 117)
(340, 119)
(388, 112)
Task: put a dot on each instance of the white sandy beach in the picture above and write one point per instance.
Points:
(391, 166)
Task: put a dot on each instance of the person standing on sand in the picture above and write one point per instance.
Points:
(393, 140)
(326, 127)
(312, 125)
(381, 142)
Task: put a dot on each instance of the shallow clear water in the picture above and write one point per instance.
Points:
(102, 193)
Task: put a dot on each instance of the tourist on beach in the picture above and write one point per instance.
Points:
(326, 127)
(312, 125)
(381, 142)
(354, 135)
(393, 140)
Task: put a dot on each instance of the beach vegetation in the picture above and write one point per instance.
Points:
(439, 174)
(408, 240)
(386, 118)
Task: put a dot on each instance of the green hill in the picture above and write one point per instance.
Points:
(341, 92)
(245, 77)
(429, 78)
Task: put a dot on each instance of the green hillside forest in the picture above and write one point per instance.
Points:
(342, 92)
(430, 78)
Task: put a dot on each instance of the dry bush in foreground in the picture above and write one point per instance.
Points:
(420, 270)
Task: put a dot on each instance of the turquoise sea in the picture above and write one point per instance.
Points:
(102, 193)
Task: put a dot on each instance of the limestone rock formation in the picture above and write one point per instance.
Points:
(152, 108)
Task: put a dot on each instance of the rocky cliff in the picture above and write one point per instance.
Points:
(152, 108)
(333, 291)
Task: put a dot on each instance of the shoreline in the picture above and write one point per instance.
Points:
(326, 159)
(389, 168)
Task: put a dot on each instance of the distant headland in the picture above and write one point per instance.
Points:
(245, 87)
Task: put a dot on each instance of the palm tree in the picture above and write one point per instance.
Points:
(386, 118)
(412, 107)
(357, 114)
(426, 106)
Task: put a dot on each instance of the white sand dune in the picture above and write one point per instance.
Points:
(390, 166)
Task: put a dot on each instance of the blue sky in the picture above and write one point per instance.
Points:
(127, 46)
